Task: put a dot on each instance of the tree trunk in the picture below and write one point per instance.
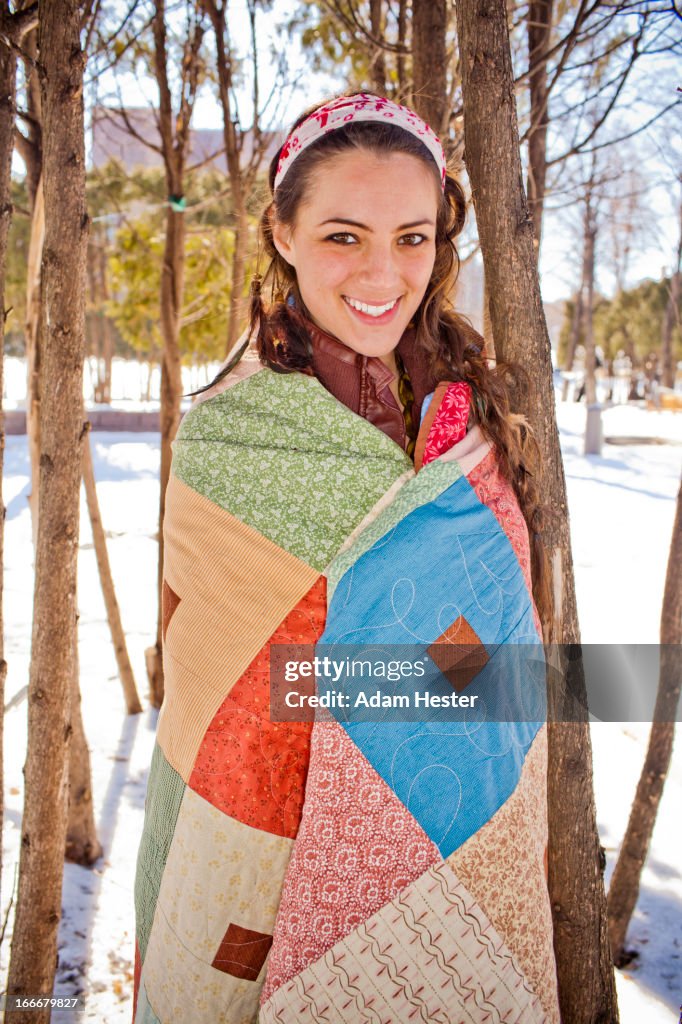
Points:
(174, 132)
(403, 88)
(510, 267)
(108, 333)
(573, 339)
(82, 844)
(33, 349)
(234, 170)
(34, 943)
(8, 80)
(113, 614)
(378, 66)
(171, 393)
(93, 326)
(588, 305)
(98, 323)
(429, 63)
(582, 323)
(585, 972)
(32, 148)
(81, 835)
(671, 318)
(539, 22)
(624, 888)
(147, 396)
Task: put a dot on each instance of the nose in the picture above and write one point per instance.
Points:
(379, 269)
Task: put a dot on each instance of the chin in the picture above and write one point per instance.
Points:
(374, 347)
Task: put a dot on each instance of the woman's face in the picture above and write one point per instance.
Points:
(363, 246)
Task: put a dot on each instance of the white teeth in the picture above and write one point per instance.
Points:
(363, 307)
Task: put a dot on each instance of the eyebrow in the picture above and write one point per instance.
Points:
(364, 227)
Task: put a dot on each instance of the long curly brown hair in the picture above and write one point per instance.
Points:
(453, 348)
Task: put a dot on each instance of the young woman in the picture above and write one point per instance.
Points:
(355, 478)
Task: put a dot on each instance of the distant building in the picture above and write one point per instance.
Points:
(113, 139)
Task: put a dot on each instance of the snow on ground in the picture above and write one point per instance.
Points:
(622, 507)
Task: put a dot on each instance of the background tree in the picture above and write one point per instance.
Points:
(34, 943)
(606, 189)
(672, 314)
(13, 26)
(402, 50)
(429, 63)
(100, 330)
(634, 319)
(539, 28)
(624, 887)
(364, 43)
(241, 170)
(630, 323)
(82, 844)
(118, 640)
(590, 230)
(29, 135)
(583, 60)
(585, 973)
(378, 63)
(15, 269)
(29, 146)
(135, 273)
(174, 129)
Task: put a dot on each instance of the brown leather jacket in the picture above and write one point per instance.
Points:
(362, 382)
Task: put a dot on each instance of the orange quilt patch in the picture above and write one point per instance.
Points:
(247, 766)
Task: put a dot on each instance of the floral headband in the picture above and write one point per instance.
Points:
(360, 107)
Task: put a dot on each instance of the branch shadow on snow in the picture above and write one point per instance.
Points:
(19, 503)
(83, 889)
(655, 931)
(655, 935)
(119, 779)
(619, 486)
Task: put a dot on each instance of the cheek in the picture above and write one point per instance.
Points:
(327, 268)
(421, 268)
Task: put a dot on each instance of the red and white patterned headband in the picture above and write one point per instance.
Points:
(360, 107)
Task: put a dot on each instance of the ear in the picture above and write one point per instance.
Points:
(282, 237)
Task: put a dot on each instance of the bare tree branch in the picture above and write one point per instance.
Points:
(620, 138)
(353, 24)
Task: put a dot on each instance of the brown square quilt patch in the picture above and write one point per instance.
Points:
(169, 602)
(242, 952)
(459, 654)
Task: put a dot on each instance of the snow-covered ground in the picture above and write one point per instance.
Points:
(622, 506)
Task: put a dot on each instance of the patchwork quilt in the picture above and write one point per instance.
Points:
(340, 870)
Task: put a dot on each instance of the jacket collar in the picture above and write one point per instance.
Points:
(328, 350)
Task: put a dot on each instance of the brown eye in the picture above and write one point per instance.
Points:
(412, 239)
(342, 238)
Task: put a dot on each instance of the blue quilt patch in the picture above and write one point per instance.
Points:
(447, 559)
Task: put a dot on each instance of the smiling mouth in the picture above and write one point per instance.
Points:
(369, 310)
